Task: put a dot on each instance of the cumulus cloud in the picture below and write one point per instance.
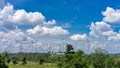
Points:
(12, 39)
(52, 22)
(15, 39)
(9, 15)
(21, 16)
(78, 37)
(38, 30)
(103, 34)
(115, 37)
(111, 15)
(100, 29)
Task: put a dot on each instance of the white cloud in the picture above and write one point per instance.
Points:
(78, 37)
(100, 29)
(103, 34)
(115, 37)
(6, 13)
(21, 16)
(52, 22)
(38, 30)
(9, 15)
(12, 38)
(111, 15)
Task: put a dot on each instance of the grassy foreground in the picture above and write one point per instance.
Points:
(33, 65)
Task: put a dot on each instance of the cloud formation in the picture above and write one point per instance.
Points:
(78, 37)
(14, 39)
(19, 17)
(38, 30)
(101, 29)
(111, 15)
(103, 33)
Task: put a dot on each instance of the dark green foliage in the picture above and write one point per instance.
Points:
(24, 61)
(76, 60)
(98, 58)
(2, 62)
(60, 64)
(73, 59)
(109, 63)
(8, 61)
(41, 61)
(117, 62)
(14, 60)
(69, 48)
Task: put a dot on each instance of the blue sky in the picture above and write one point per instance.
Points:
(75, 20)
(78, 13)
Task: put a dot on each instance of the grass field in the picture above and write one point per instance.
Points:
(33, 65)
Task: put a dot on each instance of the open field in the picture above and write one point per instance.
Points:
(33, 65)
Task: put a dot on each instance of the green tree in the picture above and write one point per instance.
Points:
(73, 59)
(80, 60)
(98, 58)
(117, 62)
(69, 48)
(2, 62)
(24, 60)
(109, 63)
(14, 60)
(8, 61)
(41, 61)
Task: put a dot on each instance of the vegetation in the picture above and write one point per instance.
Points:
(33, 65)
(98, 59)
(69, 59)
(3, 56)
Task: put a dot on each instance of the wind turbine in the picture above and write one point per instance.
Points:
(88, 43)
(63, 44)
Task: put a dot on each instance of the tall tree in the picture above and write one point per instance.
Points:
(69, 48)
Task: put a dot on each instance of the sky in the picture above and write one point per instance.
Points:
(47, 25)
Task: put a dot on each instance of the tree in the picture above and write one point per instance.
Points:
(109, 63)
(14, 60)
(8, 61)
(73, 59)
(98, 58)
(117, 63)
(2, 62)
(80, 60)
(5, 55)
(41, 61)
(69, 48)
(24, 60)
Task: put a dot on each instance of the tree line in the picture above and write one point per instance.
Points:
(69, 59)
(98, 59)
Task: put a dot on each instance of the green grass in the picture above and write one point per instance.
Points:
(33, 65)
